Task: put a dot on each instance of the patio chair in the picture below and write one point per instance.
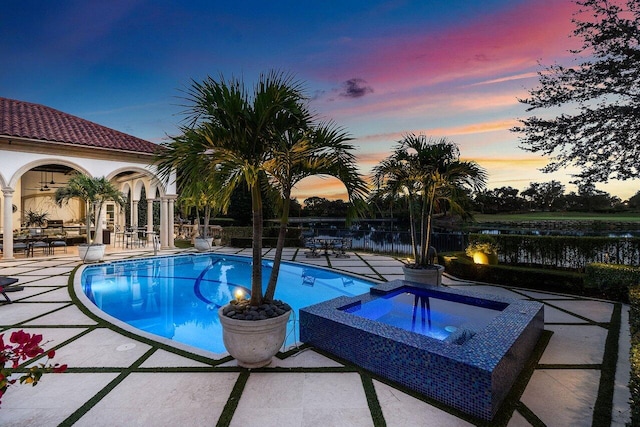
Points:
(19, 246)
(39, 244)
(57, 244)
(313, 247)
(340, 248)
(5, 286)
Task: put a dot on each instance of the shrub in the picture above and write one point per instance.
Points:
(634, 381)
(462, 267)
(481, 243)
(613, 280)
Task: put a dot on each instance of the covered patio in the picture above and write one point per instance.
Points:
(40, 147)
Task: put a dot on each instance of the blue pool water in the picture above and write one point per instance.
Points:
(436, 315)
(178, 297)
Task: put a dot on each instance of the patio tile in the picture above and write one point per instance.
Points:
(400, 409)
(305, 399)
(13, 271)
(543, 295)
(575, 344)
(487, 290)
(51, 337)
(553, 315)
(389, 270)
(55, 398)
(517, 420)
(50, 271)
(163, 399)
(305, 359)
(27, 294)
(562, 397)
(598, 311)
(19, 312)
(44, 280)
(164, 359)
(67, 316)
(101, 348)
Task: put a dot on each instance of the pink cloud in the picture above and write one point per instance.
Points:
(511, 40)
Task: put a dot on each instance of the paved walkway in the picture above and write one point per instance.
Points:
(116, 379)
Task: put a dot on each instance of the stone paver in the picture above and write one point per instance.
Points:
(169, 387)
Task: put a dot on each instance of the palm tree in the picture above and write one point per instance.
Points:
(236, 133)
(94, 192)
(300, 153)
(427, 172)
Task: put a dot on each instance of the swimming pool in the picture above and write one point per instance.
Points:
(177, 297)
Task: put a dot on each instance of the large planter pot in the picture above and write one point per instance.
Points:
(203, 244)
(429, 276)
(253, 343)
(91, 253)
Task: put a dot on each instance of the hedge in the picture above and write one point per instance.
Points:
(612, 279)
(573, 252)
(459, 265)
(634, 381)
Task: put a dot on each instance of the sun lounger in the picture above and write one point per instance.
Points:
(5, 286)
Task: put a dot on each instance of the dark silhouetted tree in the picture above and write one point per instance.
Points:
(598, 129)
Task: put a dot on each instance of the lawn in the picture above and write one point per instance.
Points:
(558, 216)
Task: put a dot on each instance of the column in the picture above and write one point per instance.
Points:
(149, 220)
(134, 214)
(164, 223)
(171, 224)
(7, 221)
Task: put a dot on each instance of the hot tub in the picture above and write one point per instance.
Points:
(461, 348)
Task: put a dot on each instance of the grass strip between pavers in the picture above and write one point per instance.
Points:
(372, 400)
(89, 404)
(604, 402)
(529, 415)
(234, 398)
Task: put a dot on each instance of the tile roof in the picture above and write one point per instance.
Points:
(35, 121)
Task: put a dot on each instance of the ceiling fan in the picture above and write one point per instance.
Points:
(46, 185)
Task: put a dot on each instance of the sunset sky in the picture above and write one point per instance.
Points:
(379, 69)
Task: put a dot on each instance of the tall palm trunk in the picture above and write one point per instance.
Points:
(97, 237)
(412, 229)
(256, 268)
(427, 241)
(87, 207)
(282, 234)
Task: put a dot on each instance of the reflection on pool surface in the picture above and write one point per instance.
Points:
(177, 297)
(436, 315)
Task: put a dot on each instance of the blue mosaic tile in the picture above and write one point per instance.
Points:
(474, 376)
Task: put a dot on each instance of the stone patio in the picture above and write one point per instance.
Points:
(116, 378)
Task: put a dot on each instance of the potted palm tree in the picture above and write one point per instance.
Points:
(427, 173)
(240, 138)
(94, 192)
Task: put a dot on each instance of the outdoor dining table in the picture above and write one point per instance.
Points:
(327, 242)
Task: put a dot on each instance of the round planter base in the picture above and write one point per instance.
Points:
(203, 244)
(253, 343)
(91, 253)
(428, 276)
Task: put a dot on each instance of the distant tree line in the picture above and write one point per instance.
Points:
(551, 196)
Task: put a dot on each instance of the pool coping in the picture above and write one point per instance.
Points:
(92, 309)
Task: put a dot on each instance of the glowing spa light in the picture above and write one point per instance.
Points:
(239, 295)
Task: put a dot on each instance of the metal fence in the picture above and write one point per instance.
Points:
(397, 243)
